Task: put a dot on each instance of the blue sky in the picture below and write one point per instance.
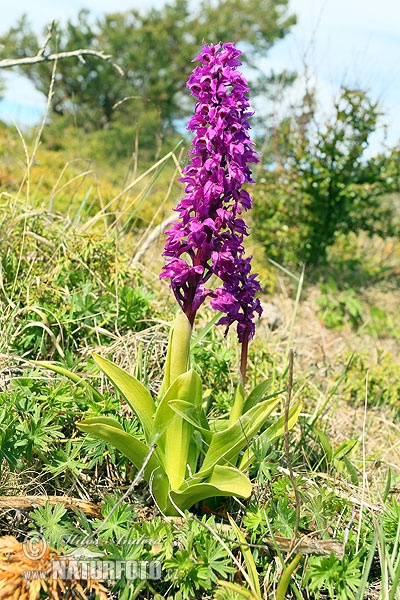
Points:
(340, 41)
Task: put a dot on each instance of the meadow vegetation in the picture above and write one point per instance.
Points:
(81, 214)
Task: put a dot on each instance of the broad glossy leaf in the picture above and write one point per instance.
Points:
(176, 450)
(177, 360)
(191, 414)
(218, 424)
(110, 421)
(224, 481)
(195, 449)
(136, 451)
(136, 395)
(110, 430)
(226, 445)
(175, 432)
(186, 387)
(233, 481)
(184, 411)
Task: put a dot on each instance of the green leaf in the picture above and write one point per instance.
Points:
(136, 451)
(175, 433)
(110, 421)
(192, 415)
(136, 395)
(177, 448)
(351, 470)
(272, 432)
(226, 445)
(186, 387)
(70, 375)
(237, 407)
(110, 430)
(256, 395)
(202, 334)
(286, 577)
(230, 479)
(178, 350)
(224, 481)
(238, 590)
(248, 559)
(325, 443)
(344, 449)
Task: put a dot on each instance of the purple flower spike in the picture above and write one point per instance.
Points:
(208, 238)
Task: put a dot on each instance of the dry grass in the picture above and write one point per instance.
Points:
(26, 571)
(321, 356)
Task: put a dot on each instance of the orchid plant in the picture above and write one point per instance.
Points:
(194, 457)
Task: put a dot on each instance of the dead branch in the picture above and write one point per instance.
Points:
(41, 55)
(38, 58)
(304, 544)
(7, 502)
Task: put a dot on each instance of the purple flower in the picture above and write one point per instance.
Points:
(208, 238)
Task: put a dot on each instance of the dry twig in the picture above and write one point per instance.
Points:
(33, 501)
(41, 55)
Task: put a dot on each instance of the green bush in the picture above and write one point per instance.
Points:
(318, 184)
(382, 376)
(64, 288)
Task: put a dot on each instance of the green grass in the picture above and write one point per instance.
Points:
(68, 286)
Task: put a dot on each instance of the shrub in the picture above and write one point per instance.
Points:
(318, 184)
